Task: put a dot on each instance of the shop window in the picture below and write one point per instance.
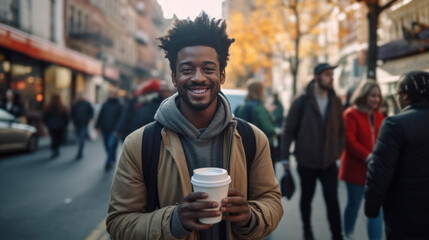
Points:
(71, 21)
(53, 21)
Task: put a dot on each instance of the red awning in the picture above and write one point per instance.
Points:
(39, 48)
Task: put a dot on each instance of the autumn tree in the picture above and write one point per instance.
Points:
(275, 26)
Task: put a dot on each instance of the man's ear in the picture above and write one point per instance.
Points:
(222, 77)
(406, 97)
(173, 79)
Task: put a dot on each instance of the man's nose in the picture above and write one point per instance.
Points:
(199, 75)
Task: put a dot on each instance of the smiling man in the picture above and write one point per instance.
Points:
(198, 131)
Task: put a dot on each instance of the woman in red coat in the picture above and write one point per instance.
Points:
(362, 121)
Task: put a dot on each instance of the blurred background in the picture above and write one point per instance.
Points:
(90, 46)
(93, 46)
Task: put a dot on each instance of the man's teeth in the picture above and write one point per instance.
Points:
(199, 90)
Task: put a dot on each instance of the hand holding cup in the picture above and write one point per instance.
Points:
(193, 207)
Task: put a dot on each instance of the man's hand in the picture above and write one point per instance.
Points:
(237, 207)
(189, 210)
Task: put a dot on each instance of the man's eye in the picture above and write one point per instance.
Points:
(186, 70)
(209, 70)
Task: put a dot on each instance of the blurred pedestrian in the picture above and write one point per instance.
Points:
(315, 122)
(55, 116)
(254, 111)
(107, 120)
(148, 101)
(141, 109)
(82, 112)
(398, 171)
(12, 103)
(278, 115)
(363, 120)
(197, 130)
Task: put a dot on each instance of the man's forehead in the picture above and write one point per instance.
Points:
(200, 53)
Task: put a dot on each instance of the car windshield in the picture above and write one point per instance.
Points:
(5, 116)
(235, 97)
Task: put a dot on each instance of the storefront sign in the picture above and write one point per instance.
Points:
(44, 50)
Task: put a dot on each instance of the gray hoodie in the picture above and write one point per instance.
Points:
(202, 147)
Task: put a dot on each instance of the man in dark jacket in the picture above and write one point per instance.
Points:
(315, 123)
(107, 120)
(398, 171)
(82, 112)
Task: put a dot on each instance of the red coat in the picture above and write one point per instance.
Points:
(360, 141)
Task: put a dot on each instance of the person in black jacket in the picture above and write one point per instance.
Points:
(82, 112)
(12, 103)
(55, 116)
(398, 171)
(107, 120)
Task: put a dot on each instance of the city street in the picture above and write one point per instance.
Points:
(65, 199)
(43, 198)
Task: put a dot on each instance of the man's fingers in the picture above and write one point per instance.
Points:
(195, 196)
(201, 214)
(237, 209)
(234, 192)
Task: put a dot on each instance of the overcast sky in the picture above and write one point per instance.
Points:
(191, 8)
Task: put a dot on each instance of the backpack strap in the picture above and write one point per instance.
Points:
(249, 144)
(151, 142)
(150, 157)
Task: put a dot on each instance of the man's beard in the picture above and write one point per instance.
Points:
(322, 86)
(214, 91)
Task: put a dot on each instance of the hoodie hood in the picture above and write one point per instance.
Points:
(168, 114)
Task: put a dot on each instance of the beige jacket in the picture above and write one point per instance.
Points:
(127, 217)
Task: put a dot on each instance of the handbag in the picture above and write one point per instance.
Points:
(287, 184)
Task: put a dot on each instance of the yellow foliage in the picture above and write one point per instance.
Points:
(270, 28)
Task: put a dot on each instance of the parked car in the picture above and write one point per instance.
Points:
(235, 97)
(16, 136)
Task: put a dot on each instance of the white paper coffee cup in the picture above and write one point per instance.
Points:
(214, 182)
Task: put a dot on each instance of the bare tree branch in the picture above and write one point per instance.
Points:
(387, 5)
(320, 19)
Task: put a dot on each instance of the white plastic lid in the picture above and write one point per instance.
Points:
(210, 177)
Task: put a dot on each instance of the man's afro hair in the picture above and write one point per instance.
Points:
(203, 31)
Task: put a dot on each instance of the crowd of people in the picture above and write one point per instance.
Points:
(383, 161)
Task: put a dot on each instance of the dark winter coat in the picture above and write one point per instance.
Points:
(125, 124)
(398, 174)
(54, 120)
(145, 112)
(316, 146)
(109, 115)
(81, 113)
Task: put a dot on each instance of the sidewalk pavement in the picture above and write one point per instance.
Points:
(290, 227)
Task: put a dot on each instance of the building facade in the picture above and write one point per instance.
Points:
(33, 59)
(71, 46)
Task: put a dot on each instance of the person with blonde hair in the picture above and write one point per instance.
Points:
(362, 120)
(254, 111)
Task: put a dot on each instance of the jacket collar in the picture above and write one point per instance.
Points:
(310, 89)
(419, 105)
